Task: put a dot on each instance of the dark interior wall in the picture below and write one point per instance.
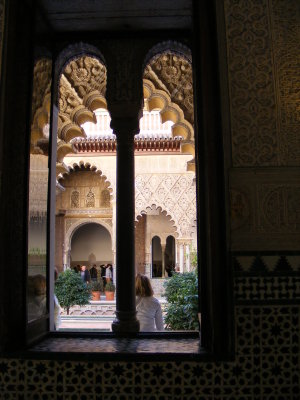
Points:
(263, 52)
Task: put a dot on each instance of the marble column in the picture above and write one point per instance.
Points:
(181, 259)
(163, 260)
(126, 320)
(188, 259)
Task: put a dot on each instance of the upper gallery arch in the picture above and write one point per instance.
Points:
(168, 86)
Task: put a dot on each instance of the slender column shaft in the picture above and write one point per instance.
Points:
(125, 252)
(181, 258)
(163, 258)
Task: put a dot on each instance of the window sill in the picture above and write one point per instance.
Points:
(107, 347)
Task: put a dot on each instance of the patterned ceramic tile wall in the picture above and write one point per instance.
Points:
(266, 364)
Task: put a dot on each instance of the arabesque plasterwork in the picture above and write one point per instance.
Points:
(263, 48)
(173, 74)
(174, 193)
(41, 99)
(285, 34)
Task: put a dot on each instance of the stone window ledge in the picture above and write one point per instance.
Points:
(143, 347)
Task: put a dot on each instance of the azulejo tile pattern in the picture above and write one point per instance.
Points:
(265, 367)
(266, 278)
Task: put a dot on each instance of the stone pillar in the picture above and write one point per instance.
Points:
(188, 259)
(181, 257)
(163, 261)
(124, 95)
(125, 235)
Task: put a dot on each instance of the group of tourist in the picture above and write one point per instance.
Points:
(104, 272)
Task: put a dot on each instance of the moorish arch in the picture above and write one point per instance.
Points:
(82, 89)
(74, 226)
(175, 193)
(168, 67)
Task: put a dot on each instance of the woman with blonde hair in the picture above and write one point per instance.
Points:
(148, 307)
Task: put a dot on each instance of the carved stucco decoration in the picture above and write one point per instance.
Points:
(86, 74)
(281, 208)
(81, 90)
(285, 21)
(251, 84)
(41, 99)
(86, 184)
(169, 111)
(174, 193)
(172, 73)
(264, 81)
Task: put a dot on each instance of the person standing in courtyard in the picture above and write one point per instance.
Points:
(85, 275)
(108, 273)
(147, 306)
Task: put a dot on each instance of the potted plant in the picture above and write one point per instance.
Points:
(110, 291)
(70, 290)
(96, 287)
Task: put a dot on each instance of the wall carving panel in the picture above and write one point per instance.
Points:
(265, 208)
(174, 193)
(285, 18)
(252, 97)
(83, 188)
(263, 48)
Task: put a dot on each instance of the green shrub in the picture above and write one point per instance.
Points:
(96, 286)
(70, 290)
(181, 292)
(110, 287)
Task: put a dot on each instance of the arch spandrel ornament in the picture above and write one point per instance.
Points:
(173, 193)
(172, 73)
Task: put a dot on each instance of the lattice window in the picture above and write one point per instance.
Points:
(75, 199)
(105, 198)
(90, 199)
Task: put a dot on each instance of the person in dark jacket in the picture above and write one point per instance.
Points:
(85, 275)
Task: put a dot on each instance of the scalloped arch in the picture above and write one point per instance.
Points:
(162, 210)
(82, 165)
(159, 99)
